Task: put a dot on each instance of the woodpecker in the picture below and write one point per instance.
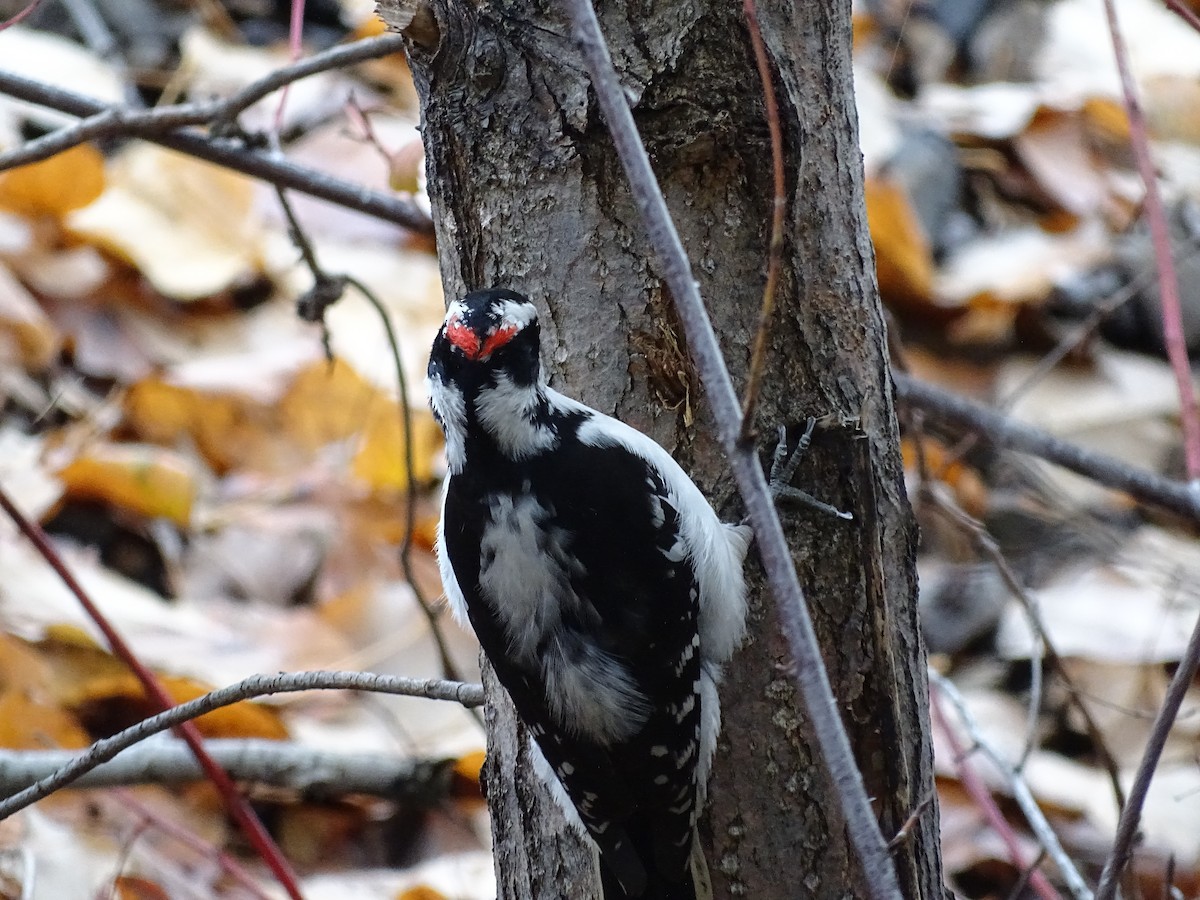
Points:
(604, 590)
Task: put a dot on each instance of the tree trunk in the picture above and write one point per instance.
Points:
(527, 193)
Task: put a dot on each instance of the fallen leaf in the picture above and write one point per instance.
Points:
(380, 460)
(421, 892)
(54, 186)
(903, 258)
(27, 336)
(31, 716)
(144, 479)
(188, 226)
(128, 887)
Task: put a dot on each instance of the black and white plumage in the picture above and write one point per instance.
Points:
(603, 588)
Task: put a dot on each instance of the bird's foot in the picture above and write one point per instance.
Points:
(783, 470)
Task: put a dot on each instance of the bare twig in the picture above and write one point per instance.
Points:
(1002, 431)
(449, 669)
(911, 821)
(944, 689)
(314, 773)
(233, 155)
(128, 803)
(1045, 647)
(235, 803)
(1160, 236)
(1184, 12)
(808, 668)
(1132, 814)
(20, 16)
(328, 289)
(146, 123)
(758, 356)
(102, 751)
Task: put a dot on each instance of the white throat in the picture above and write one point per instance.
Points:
(509, 413)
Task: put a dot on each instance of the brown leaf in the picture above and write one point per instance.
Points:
(127, 887)
(27, 336)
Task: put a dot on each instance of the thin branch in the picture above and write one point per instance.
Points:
(128, 803)
(1127, 825)
(1160, 235)
(326, 290)
(1002, 431)
(944, 689)
(758, 356)
(1184, 12)
(469, 695)
(808, 667)
(316, 774)
(233, 155)
(1045, 648)
(449, 669)
(249, 823)
(123, 121)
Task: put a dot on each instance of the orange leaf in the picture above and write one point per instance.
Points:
(380, 458)
(31, 716)
(127, 887)
(148, 480)
(102, 691)
(228, 429)
(465, 781)
(420, 892)
(54, 186)
(903, 258)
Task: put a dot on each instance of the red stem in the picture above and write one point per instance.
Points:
(775, 249)
(236, 804)
(19, 17)
(982, 796)
(1168, 280)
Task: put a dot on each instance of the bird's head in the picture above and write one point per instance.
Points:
(488, 333)
(485, 380)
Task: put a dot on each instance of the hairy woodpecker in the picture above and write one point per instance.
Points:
(603, 588)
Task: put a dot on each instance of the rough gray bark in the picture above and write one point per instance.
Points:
(527, 193)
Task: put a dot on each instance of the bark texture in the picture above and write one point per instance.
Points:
(527, 193)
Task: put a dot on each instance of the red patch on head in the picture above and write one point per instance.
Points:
(497, 339)
(463, 338)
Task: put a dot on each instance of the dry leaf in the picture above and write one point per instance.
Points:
(188, 226)
(228, 429)
(54, 186)
(127, 887)
(420, 892)
(100, 690)
(1019, 265)
(902, 255)
(144, 479)
(27, 336)
(31, 716)
(1054, 149)
(467, 769)
(380, 460)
